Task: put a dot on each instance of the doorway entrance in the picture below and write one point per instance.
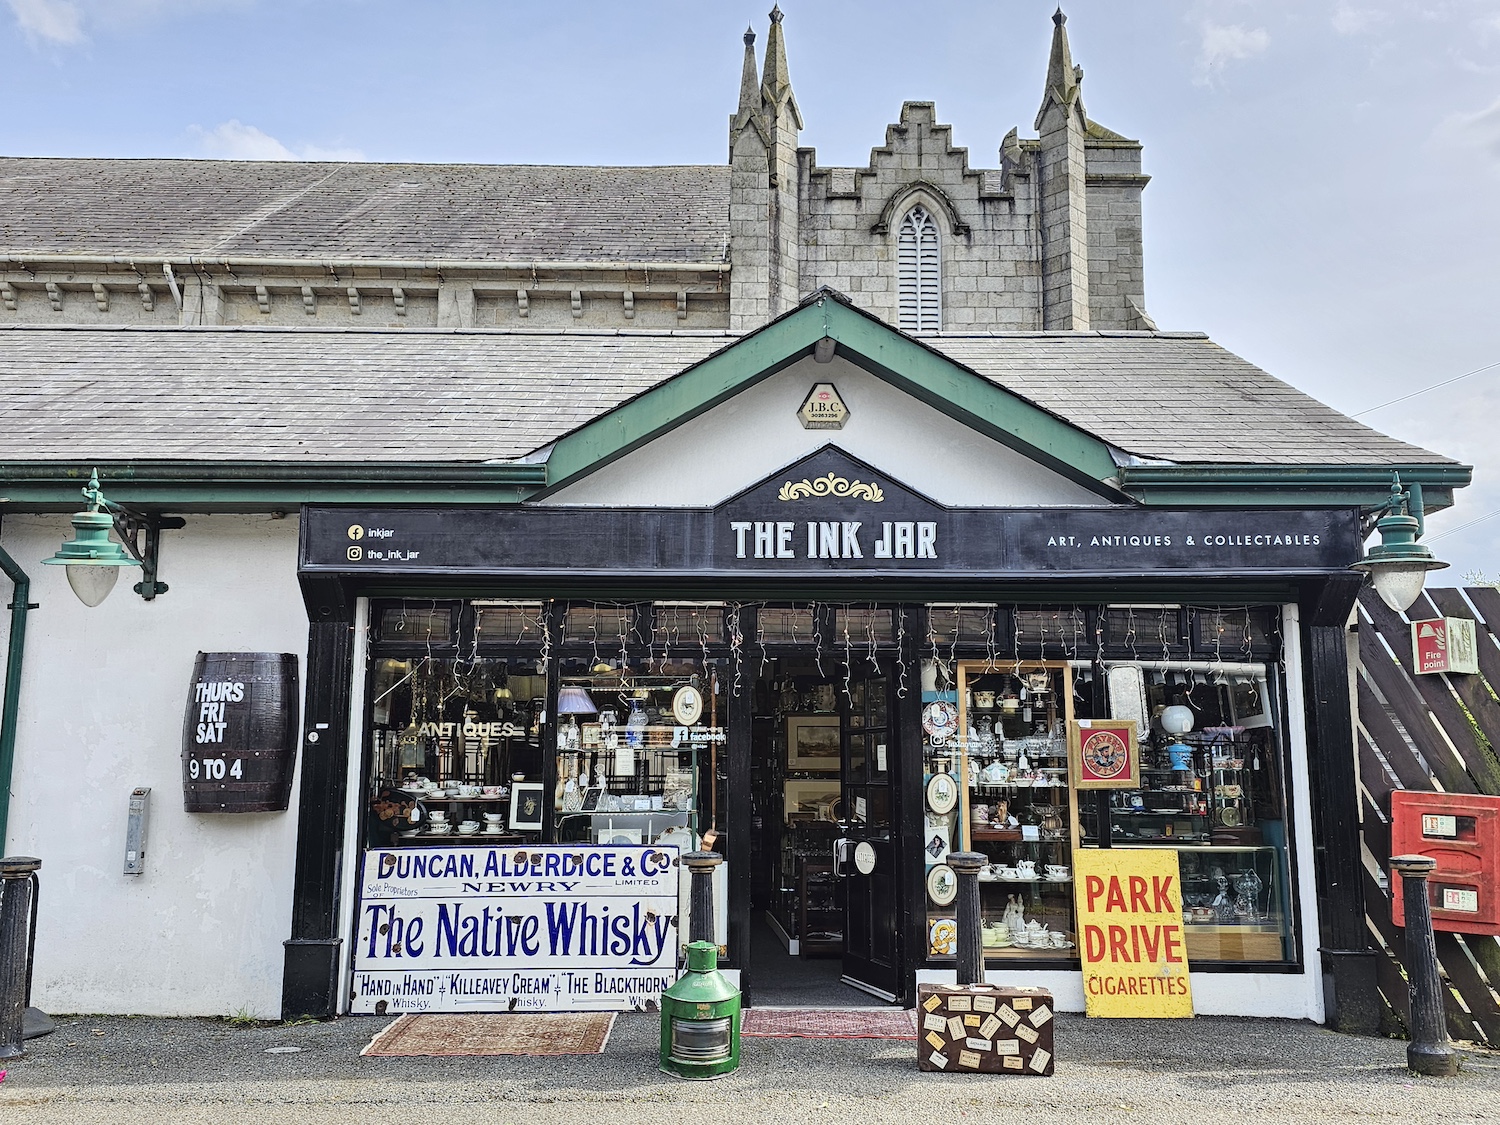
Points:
(826, 883)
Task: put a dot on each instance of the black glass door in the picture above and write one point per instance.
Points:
(867, 860)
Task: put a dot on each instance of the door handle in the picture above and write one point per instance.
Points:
(842, 849)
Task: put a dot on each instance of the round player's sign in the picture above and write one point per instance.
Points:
(1105, 754)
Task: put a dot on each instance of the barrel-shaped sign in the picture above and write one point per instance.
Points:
(239, 734)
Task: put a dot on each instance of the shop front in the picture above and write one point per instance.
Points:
(832, 680)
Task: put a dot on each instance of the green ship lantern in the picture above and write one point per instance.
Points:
(700, 1019)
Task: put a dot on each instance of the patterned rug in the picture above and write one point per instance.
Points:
(815, 1023)
(557, 1033)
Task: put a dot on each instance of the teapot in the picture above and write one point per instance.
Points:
(1026, 868)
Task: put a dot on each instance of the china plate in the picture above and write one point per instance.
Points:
(940, 719)
(942, 793)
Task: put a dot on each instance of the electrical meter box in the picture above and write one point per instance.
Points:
(1461, 831)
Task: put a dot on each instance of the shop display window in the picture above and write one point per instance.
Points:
(455, 748)
(1211, 788)
(637, 747)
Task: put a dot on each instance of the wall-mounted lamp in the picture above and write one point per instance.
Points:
(93, 560)
(1398, 566)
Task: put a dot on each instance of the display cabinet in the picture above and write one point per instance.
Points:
(1007, 754)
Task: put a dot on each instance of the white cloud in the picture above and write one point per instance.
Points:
(68, 22)
(234, 140)
(1474, 130)
(1349, 20)
(52, 21)
(1223, 43)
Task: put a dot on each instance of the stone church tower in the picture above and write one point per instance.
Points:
(1051, 239)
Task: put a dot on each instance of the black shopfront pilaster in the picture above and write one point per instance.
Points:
(310, 981)
(1351, 993)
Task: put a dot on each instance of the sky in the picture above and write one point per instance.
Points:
(1325, 197)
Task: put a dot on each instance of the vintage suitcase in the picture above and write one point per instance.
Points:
(984, 1029)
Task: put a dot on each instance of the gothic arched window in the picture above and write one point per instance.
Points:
(919, 287)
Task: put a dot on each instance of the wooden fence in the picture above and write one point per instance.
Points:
(1433, 732)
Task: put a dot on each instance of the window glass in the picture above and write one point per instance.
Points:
(455, 750)
(1212, 789)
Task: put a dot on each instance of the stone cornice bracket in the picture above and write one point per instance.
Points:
(903, 193)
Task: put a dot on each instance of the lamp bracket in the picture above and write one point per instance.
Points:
(1401, 502)
(140, 534)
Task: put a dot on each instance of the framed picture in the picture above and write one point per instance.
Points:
(812, 743)
(1102, 754)
(935, 844)
(591, 798)
(526, 806)
(811, 796)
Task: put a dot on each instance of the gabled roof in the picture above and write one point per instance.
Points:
(1105, 409)
(242, 210)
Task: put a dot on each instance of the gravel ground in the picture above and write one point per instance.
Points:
(116, 1069)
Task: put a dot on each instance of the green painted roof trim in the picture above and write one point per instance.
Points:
(222, 486)
(1304, 486)
(863, 340)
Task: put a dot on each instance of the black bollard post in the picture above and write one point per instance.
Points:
(1430, 1051)
(15, 941)
(966, 865)
(701, 898)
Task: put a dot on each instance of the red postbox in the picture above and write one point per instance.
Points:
(1461, 832)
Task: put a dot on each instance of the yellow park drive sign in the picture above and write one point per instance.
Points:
(1129, 903)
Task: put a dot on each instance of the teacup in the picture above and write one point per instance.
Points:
(469, 827)
(989, 873)
(494, 828)
(984, 700)
(1056, 871)
(1059, 939)
(440, 828)
(469, 790)
(493, 817)
(1007, 873)
(491, 791)
(437, 816)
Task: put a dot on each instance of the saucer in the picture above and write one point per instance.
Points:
(492, 830)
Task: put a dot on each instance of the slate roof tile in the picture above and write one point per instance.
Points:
(257, 394)
(232, 209)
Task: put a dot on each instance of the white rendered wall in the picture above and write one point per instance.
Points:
(102, 698)
(749, 437)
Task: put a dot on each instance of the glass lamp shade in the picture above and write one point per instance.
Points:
(1177, 719)
(1399, 584)
(92, 584)
(575, 701)
(1398, 566)
(92, 560)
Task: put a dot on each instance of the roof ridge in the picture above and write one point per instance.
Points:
(373, 330)
(219, 162)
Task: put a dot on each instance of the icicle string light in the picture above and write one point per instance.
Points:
(900, 653)
(736, 647)
(848, 656)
